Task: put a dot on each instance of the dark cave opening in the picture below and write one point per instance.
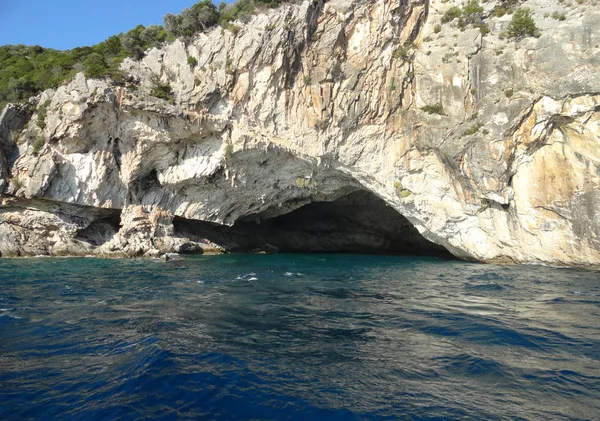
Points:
(356, 223)
(101, 230)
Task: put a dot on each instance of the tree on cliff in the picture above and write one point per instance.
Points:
(522, 25)
(199, 17)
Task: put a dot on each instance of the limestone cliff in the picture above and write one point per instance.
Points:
(311, 128)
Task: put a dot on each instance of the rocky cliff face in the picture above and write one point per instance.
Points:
(308, 129)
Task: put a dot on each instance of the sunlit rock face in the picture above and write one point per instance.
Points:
(308, 108)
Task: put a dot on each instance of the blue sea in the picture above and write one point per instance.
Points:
(297, 337)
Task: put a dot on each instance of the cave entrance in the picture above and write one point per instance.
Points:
(101, 230)
(359, 222)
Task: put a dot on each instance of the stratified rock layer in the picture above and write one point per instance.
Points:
(323, 103)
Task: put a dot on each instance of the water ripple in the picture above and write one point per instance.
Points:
(297, 337)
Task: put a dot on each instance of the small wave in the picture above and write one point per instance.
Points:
(413, 374)
(492, 286)
(470, 365)
(10, 316)
(337, 293)
(214, 294)
(486, 330)
(565, 382)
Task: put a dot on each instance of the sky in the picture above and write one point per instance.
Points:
(65, 24)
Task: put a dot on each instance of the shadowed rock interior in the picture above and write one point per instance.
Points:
(359, 222)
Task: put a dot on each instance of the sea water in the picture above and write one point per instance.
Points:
(297, 337)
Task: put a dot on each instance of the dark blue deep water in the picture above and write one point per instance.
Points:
(297, 337)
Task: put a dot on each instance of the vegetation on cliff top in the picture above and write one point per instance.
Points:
(27, 70)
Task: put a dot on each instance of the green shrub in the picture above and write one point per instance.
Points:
(41, 114)
(447, 57)
(16, 182)
(402, 52)
(132, 42)
(434, 109)
(234, 29)
(508, 92)
(473, 129)
(453, 13)
(472, 12)
(504, 7)
(162, 90)
(38, 144)
(192, 61)
(95, 66)
(199, 17)
(498, 12)
(483, 27)
(153, 36)
(141, 38)
(437, 28)
(241, 10)
(559, 16)
(522, 25)
(228, 152)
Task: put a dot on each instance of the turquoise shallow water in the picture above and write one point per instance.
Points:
(297, 337)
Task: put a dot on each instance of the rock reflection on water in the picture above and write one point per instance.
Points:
(297, 337)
